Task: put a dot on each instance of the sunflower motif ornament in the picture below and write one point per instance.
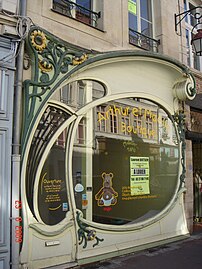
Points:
(79, 59)
(38, 40)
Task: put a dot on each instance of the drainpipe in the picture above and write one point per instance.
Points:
(16, 151)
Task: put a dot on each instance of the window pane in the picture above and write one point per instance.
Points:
(75, 94)
(193, 21)
(132, 21)
(52, 192)
(185, 8)
(132, 7)
(145, 8)
(129, 168)
(188, 48)
(146, 28)
(84, 3)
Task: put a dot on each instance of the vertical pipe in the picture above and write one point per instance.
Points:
(16, 151)
(18, 89)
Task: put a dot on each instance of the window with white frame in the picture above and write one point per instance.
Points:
(138, 124)
(192, 60)
(86, 11)
(74, 94)
(81, 132)
(125, 121)
(101, 124)
(66, 95)
(61, 139)
(141, 25)
(149, 126)
(113, 122)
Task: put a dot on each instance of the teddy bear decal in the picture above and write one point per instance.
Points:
(106, 196)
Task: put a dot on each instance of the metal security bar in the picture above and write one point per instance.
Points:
(143, 41)
(73, 10)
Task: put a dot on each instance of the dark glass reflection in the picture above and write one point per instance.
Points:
(127, 163)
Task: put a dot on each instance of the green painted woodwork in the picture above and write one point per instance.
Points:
(51, 59)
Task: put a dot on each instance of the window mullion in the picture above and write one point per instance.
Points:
(138, 17)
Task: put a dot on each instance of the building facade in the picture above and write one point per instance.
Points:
(100, 122)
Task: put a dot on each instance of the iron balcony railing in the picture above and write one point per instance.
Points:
(143, 41)
(73, 10)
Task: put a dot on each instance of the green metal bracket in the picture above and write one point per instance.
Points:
(86, 234)
(179, 118)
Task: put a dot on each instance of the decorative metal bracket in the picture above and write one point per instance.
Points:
(52, 60)
(86, 234)
(180, 120)
(181, 16)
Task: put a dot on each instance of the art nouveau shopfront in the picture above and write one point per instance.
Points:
(103, 163)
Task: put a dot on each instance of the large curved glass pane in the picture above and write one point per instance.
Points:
(51, 120)
(75, 94)
(52, 191)
(125, 161)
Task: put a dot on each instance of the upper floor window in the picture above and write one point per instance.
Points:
(86, 11)
(192, 60)
(74, 94)
(101, 124)
(140, 24)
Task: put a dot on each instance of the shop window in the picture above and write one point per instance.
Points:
(126, 178)
(141, 25)
(52, 192)
(85, 11)
(51, 195)
(192, 60)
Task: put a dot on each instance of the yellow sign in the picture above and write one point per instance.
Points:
(51, 189)
(132, 7)
(139, 175)
(125, 112)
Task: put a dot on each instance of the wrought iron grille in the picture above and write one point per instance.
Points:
(73, 10)
(143, 41)
(50, 121)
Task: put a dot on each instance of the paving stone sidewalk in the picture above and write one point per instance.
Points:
(186, 254)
